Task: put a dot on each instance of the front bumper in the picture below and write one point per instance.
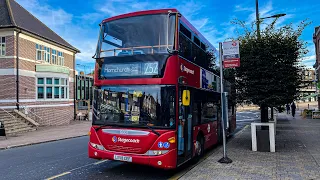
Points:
(164, 161)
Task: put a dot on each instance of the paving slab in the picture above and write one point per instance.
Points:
(47, 134)
(297, 155)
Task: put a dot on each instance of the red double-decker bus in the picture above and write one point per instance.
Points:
(155, 102)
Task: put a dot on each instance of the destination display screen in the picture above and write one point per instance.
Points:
(130, 69)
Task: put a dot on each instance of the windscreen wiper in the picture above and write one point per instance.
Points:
(154, 131)
(98, 128)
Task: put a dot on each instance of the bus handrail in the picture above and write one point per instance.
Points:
(137, 47)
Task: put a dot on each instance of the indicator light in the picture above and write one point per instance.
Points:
(172, 140)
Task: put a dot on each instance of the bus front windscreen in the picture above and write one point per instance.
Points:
(147, 34)
(135, 106)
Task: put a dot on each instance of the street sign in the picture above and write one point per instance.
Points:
(230, 47)
(231, 54)
(231, 63)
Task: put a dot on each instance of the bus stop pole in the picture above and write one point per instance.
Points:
(225, 158)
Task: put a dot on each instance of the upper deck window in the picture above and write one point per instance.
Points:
(185, 31)
(194, 49)
(147, 34)
(196, 41)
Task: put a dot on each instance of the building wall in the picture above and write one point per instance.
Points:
(7, 62)
(8, 87)
(27, 49)
(316, 40)
(51, 112)
(54, 115)
(308, 85)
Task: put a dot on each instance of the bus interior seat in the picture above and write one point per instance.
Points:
(138, 52)
(123, 53)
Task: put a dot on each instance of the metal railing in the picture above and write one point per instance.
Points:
(7, 113)
(26, 111)
(136, 48)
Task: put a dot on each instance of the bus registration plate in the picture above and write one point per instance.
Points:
(122, 158)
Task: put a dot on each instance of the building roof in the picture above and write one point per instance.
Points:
(14, 15)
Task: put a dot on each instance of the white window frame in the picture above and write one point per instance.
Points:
(65, 86)
(60, 58)
(46, 54)
(54, 56)
(2, 46)
(39, 49)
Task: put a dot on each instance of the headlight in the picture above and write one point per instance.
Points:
(97, 146)
(156, 152)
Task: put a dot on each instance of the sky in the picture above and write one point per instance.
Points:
(77, 21)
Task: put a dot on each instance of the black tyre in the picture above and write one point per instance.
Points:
(199, 148)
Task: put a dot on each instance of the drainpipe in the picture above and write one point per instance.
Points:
(74, 87)
(17, 70)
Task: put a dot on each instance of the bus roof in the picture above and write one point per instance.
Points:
(160, 11)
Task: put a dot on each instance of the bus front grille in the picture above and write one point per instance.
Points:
(124, 149)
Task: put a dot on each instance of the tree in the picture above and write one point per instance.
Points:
(269, 71)
(211, 61)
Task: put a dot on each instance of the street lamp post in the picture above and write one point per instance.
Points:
(84, 67)
(258, 19)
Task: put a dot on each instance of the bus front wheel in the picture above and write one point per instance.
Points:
(199, 147)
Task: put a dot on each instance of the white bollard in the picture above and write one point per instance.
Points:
(271, 135)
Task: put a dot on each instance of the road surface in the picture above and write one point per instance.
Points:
(68, 159)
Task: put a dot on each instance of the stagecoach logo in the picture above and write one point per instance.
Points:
(124, 140)
(114, 139)
(185, 69)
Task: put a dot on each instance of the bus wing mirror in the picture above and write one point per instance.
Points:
(186, 98)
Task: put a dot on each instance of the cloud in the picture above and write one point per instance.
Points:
(239, 8)
(74, 29)
(309, 58)
(117, 7)
(45, 13)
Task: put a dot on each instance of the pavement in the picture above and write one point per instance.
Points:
(297, 155)
(68, 158)
(47, 134)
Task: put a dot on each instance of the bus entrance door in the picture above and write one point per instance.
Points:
(184, 130)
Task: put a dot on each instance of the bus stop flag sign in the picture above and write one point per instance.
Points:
(231, 54)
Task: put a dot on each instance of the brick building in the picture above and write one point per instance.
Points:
(308, 90)
(37, 67)
(316, 41)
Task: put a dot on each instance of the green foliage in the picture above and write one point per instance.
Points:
(269, 71)
(281, 109)
(306, 113)
(211, 61)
